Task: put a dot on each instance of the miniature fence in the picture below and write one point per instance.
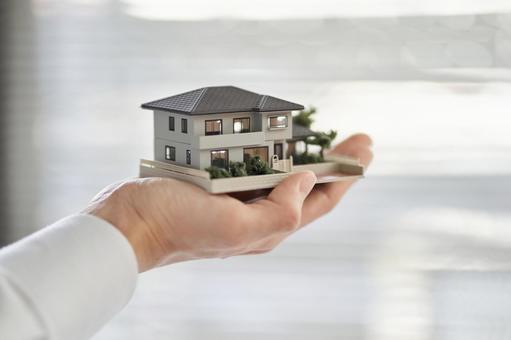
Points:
(284, 165)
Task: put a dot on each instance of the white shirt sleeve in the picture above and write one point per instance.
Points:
(65, 281)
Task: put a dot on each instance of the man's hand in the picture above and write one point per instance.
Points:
(168, 221)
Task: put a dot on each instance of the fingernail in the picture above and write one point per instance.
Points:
(307, 183)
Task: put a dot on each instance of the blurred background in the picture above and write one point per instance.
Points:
(420, 249)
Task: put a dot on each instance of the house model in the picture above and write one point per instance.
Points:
(211, 126)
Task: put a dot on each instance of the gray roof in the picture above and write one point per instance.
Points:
(220, 99)
(301, 132)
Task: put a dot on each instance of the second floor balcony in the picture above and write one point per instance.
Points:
(228, 140)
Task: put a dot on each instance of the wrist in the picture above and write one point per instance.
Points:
(115, 211)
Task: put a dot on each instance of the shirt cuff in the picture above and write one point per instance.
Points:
(77, 273)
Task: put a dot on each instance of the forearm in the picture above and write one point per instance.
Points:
(66, 281)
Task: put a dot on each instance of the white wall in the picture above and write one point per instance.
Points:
(159, 152)
(161, 127)
(286, 133)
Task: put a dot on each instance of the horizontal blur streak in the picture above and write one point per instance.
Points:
(300, 9)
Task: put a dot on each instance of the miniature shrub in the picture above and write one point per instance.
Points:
(253, 166)
(307, 158)
(216, 172)
(238, 169)
(257, 166)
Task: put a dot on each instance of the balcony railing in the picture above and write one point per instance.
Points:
(228, 140)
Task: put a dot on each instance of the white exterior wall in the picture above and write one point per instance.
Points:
(201, 158)
(161, 127)
(181, 148)
(278, 134)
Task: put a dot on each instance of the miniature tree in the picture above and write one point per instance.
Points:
(216, 172)
(323, 140)
(257, 166)
(238, 169)
(253, 166)
(304, 117)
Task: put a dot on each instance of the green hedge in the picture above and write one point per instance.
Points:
(254, 166)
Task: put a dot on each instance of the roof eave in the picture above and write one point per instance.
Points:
(150, 107)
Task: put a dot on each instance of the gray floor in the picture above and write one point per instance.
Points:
(418, 250)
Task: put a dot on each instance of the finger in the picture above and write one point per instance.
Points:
(281, 210)
(324, 197)
(352, 143)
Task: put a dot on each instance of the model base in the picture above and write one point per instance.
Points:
(334, 169)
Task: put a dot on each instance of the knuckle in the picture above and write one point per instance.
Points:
(290, 220)
(362, 139)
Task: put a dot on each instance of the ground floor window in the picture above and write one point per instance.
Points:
(170, 153)
(220, 158)
(278, 149)
(188, 157)
(261, 151)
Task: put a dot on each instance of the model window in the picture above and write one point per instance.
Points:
(277, 122)
(213, 127)
(184, 125)
(261, 151)
(278, 150)
(241, 125)
(188, 157)
(171, 123)
(220, 158)
(170, 153)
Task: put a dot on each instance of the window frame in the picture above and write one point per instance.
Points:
(213, 120)
(267, 160)
(171, 155)
(278, 127)
(226, 158)
(172, 123)
(240, 118)
(184, 125)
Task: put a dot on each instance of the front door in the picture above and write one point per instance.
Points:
(278, 149)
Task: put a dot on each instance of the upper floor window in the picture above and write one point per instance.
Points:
(170, 153)
(172, 123)
(184, 125)
(241, 125)
(277, 122)
(213, 127)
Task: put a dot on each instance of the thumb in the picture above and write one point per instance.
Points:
(282, 209)
(295, 188)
